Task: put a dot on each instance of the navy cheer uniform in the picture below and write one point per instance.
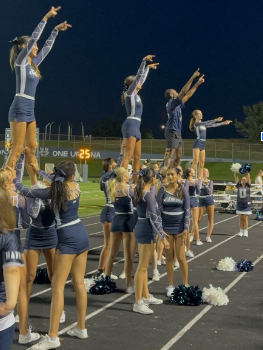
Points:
(9, 256)
(72, 235)
(200, 130)
(206, 198)
(134, 106)
(22, 108)
(175, 211)
(193, 190)
(149, 220)
(108, 211)
(123, 220)
(243, 199)
(173, 126)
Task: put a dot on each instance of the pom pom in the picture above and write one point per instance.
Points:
(235, 167)
(227, 264)
(215, 296)
(103, 285)
(42, 276)
(190, 296)
(244, 265)
(89, 282)
(7, 144)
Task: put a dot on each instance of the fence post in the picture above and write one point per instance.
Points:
(58, 139)
(215, 149)
(232, 152)
(74, 141)
(151, 146)
(183, 148)
(249, 151)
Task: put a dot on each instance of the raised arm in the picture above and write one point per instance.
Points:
(27, 192)
(190, 93)
(236, 178)
(153, 215)
(248, 179)
(186, 207)
(46, 176)
(25, 219)
(187, 86)
(20, 166)
(46, 48)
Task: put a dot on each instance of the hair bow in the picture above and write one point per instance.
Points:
(142, 172)
(59, 175)
(14, 41)
(178, 171)
(159, 177)
(113, 174)
(125, 87)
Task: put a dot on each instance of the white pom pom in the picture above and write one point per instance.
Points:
(227, 264)
(214, 296)
(235, 167)
(89, 282)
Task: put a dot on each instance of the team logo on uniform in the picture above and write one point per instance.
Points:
(32, 72)
(12, 256)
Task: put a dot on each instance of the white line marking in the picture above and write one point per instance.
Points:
(150, 282)
(95, 223)
(189, 325)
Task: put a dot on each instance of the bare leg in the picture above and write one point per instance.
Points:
(78, 272)
(128, 257)
(128, 151)
(22, 301)
(178, 156)
(145, 255)
(169, 253)
(210, 212)
(154, 259)
(106, 248)
(18, 135)
(136, 158)
(32, 257)
(49, 255)
(195, 215)
(30, 143)
(180, 250)
(201, 164)
(169, 157)
(115, 242)
(245, 220)
(196, 153)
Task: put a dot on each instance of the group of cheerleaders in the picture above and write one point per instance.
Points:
(152, 205)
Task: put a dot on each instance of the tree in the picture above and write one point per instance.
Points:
(253, 123)
(146, 132)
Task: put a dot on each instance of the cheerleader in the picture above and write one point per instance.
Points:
(120, 193)
(25, 60)
(72, 249)
(107, 213)
(149, 222)
(11, 264)
(174, 203)
(200, 129)
(131, 127)
(206, 201)
(243, 203)
(194, 189)
(22, 219)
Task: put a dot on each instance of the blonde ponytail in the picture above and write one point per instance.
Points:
(112, 183)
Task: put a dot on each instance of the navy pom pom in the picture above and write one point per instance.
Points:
(244, 265)
(190, 296)
(104, 285)
(42, 276)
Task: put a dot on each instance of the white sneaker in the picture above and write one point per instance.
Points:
(240, 234)
(63, 317)
(245, 233)
(38, 186)
(24, 339)
(190, 254)
(17, 318)
(156, 277)
(170, 290)
(114, 277)
(130, 290)
(191, 238)
(159, 263)
(208, 239)
(79, 333)
(122, 276)
(176, 264)
(199, 243)
(152, 300)
(163, 257)
(142, 308)
(46, 343)
(164, 262)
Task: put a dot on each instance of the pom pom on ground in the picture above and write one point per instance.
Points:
(190, 296)
(42, 276)
(103, 285)
(244, 265)
(89, 282)
(235, 167)
(214, 296)
(226, 264)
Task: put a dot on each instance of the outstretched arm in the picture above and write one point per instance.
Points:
(215, 125)
(27, 192)
(190, 93)
(187, 86)
(236, 178)
(248, 178)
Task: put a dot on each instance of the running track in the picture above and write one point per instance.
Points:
(112, 324)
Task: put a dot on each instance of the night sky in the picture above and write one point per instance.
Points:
(84, 73)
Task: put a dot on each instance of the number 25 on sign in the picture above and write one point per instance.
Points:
(84, 153)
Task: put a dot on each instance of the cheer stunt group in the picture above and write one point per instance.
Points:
(148, 210)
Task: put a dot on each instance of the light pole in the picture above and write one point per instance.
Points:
(46, 131)
(82, 128)
(50, 130)
(68, 131)
(59, 133)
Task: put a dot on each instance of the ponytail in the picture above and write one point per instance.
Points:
(16, 49)
(127, 82)
(119, 173)
(145, 177)
(193, 120)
